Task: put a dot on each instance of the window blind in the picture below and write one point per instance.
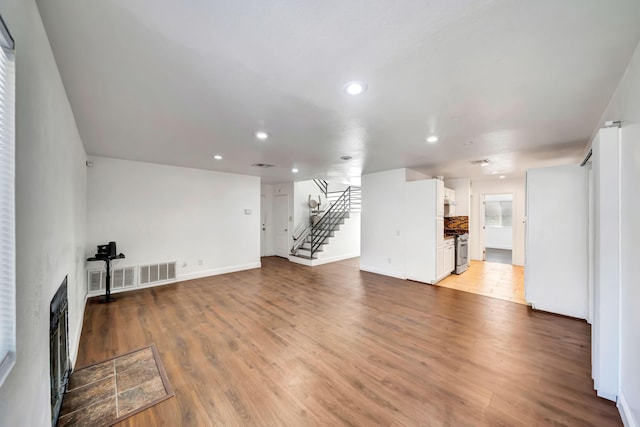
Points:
(7, 214)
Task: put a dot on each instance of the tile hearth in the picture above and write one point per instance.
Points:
(112, 390)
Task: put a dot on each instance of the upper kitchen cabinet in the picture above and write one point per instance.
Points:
(439, 196)
(449, 202)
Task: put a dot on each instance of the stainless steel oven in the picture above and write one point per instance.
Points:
(462, 253)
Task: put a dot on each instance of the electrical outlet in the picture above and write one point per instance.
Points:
(389, 260)
(200, 262)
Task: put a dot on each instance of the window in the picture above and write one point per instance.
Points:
(497, 213)
(7, 208)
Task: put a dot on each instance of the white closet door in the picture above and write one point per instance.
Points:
(556, 262)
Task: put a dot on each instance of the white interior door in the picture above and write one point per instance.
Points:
(556, 266)
(281, 225)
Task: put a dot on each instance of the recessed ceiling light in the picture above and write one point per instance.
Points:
(432, 139)
(494, 172)
(502, 176)
(355, 88)
(485, 163)
(346, 158)
(217, 157)
(262, 135)
(294, 170)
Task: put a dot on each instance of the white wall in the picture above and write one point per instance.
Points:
(625, 106)
(344, 244)
(301, 192)
(159, 213)
(479, 188)
(462, 187)
(414, 175)
(498, 237)
(382, 225)
(50, 215)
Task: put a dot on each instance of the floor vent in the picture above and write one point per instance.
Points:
(121, 278)
(157, 273)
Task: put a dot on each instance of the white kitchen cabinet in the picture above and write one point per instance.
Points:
(439, 198)
(450, 202)
(449, 256)
(426, 260)
(441, 262)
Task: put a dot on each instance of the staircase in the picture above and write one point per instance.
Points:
(315, 237)
(356, 196)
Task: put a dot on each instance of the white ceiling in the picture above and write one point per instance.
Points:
(521, 83)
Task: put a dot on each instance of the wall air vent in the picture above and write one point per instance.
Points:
(121, 278)
(480, 162)
(155, 273)
(262, 165)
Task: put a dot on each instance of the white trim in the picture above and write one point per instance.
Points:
(625, 412)
(184, 277)
(609, 396)
(74, 353)
(397, 275)
(218, 271)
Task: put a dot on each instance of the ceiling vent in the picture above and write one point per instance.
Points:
(262, 165)
(480, 162)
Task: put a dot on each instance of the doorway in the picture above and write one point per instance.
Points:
(498, 228)
(281, 224)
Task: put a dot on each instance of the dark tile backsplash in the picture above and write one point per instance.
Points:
(457, 223)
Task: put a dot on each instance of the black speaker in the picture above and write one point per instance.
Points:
(112, 249)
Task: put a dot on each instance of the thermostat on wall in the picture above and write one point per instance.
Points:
(247, 211)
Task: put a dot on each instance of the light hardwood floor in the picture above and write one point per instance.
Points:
(491, 279)
(288, 345)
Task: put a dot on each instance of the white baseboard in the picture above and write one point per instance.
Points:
(625, 412)
(508, 248)
(183, 277)
(217, 271)
(320, 261)
(382, 272)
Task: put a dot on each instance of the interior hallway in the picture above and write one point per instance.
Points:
(491, 279)
(503, 256)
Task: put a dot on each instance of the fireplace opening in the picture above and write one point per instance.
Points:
(60, 366)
